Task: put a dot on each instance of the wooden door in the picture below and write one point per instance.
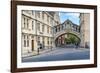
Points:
(32, 45)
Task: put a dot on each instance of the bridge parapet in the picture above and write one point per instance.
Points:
(64, 31)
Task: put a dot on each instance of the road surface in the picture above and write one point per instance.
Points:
(60, 54)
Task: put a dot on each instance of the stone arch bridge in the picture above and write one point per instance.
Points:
(64, 29)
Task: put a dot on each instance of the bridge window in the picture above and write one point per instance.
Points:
(67, 22)
(56, 29)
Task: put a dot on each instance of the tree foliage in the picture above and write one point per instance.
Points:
(72, 39)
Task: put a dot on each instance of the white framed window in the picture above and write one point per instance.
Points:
(26, 40)
(43, 28)
(47, 18)
(33, 12)
(32, 25)
(38, 14)
(27, 23)
(43, 15)
(38, 40)
(38, 26)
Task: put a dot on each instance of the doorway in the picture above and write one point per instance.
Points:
(32, 45)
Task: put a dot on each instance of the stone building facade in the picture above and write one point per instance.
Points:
(85, 29)
(37, 27)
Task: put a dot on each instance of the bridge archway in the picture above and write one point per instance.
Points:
(57, 34)
(66, 39)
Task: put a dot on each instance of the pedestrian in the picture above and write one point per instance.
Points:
(76, 45)
(40, 46)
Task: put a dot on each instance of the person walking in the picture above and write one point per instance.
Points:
(76, 45)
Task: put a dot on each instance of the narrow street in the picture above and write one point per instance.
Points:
(60, 54)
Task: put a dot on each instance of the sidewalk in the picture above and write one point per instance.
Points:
(35, 52)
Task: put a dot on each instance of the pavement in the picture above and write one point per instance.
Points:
(35, 52)
(60, 54)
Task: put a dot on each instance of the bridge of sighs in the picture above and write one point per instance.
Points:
(64, 31)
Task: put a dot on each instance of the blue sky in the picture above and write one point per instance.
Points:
(74, 17)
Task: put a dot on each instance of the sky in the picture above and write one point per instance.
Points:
(74, 17)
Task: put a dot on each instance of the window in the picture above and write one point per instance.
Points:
(27, 41)
(43, 41)
(43, 15)
(38, 24)
(47, 18)
(59, 28)
(24, 41)
(32, 12)
(24, 22)
(27, 23)
(28, 11)
(47, 29)
(51, 41)
(55, 29)
(51, 30)
(48, 40)
(38, 40)
(32, 25)
(38, 14)
(67, 22)
(62, 26)
(51, 21)
(42, 28)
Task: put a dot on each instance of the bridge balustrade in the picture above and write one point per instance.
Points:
(62, 27)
